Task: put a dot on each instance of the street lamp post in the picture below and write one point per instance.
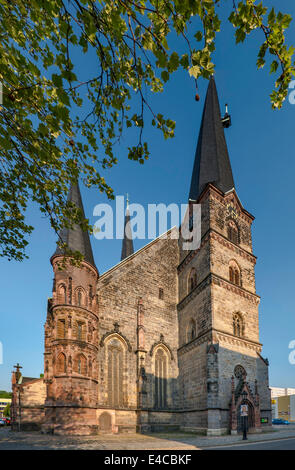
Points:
(17, 378)
(245, 416)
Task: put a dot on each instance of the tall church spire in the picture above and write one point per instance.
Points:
(76, 238)
(212, 164)
(127, 245)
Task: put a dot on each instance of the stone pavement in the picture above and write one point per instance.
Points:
(161, 441)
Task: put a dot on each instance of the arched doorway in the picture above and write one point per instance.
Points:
(105, 422)
(250, 419)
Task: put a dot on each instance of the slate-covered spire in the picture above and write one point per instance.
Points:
(212, 164)
(76, 238)
(127, 245)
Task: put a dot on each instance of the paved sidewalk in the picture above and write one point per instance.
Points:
(174, 441)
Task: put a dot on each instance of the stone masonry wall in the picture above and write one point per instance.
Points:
(120, 290)
(32, 399)
(226, 303)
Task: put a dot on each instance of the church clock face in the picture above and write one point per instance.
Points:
(232, 211)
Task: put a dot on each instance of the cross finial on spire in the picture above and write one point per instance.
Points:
(17, 372)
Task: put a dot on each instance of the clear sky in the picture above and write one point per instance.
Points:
(261, 148)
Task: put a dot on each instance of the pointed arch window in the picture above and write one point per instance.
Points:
(62, 294)
(81, 364)
(191, 331)
(233, 232)
(80, 297)
(115, 373)
(238, 326)
(192, 280)
(161, 375)
(234, 273)
(61, 364)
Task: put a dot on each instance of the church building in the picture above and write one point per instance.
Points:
(167, 339)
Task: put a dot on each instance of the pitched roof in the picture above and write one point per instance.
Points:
(127, 245)
(212, 164)
(163, 236)
(29, 379)
(76, 238)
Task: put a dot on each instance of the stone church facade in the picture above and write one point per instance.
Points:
(167, 338)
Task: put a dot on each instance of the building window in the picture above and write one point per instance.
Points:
(61, 364)
(161, 365)
(81, 365)
(80, 297)
(192, 280)
(62, 294)
(161, 294)
(191, 331)
(80, 331)
(70, 289)
(238, 327)
(61, 329)
(234, 273)
(90, 295)
(233, 232)
(231, 274)
(240, 372)
(115, 374)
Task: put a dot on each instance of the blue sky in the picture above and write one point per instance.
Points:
(261, 148)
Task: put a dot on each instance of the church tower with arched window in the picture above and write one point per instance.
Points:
(71, 335)
(223, 302)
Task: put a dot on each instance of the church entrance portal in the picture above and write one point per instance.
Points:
(250, 420)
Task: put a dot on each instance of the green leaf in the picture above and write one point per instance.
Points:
(195, 71)
(165, 76)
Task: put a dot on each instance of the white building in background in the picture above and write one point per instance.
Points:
(281, 392)
(280, 407)
(3, 403)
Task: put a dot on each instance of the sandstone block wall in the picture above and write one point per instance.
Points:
(135, 284)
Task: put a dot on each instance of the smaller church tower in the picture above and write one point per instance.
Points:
(71, 336)
(127, 245)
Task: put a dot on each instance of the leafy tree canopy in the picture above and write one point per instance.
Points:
(4, 394)
(6, 411)
(59, 122)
